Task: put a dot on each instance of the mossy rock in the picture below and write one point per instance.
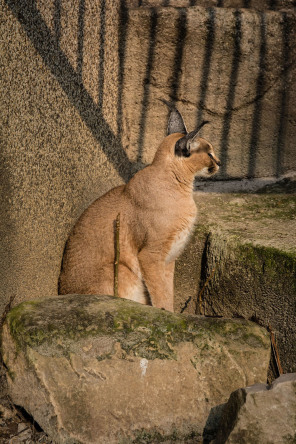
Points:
(102, 369)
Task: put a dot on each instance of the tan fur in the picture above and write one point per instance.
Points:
(157, 214)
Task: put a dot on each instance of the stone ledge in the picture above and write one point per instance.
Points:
(244, 250)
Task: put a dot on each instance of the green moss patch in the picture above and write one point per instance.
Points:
(263, 207)
(141, 330)
(272, 258)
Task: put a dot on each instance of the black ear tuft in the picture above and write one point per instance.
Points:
(193, 134)
(175, 123)
(181, 149)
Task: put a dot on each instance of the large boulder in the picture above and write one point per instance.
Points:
(261, 414)
(93, 369)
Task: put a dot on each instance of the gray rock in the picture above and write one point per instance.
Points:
(261, 414)
(94, 369)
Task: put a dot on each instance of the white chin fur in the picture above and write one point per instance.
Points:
(203, 173)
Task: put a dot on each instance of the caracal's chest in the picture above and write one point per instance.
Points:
(180, 239)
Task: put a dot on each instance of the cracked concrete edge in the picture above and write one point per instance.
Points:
(255, 5)
(244, 185)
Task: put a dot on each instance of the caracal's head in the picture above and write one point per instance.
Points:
(199, 154)
(195, 151)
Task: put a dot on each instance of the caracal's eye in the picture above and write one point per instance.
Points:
(217, 162)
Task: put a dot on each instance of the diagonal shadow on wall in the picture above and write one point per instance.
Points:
(47, 46)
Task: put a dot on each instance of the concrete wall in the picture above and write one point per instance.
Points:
(80, 112)
(59, 150)
(232, 67)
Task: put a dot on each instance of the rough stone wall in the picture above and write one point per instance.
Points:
(80, 87)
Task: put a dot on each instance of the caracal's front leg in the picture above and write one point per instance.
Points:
(159, 279)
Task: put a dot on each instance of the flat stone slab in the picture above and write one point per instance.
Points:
(263, 221)
(266, 220)
(261, 414)
(95, 369)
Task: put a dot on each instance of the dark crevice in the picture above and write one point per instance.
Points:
(186, 304)
(28, 418)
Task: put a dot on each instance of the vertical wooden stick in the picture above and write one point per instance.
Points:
(117, 254)
(275, 352)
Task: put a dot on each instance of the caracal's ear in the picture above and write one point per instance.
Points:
(189, 143)
(176, 123)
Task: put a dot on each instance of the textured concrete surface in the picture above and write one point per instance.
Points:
(217, 64)
(56, 149)
(95, 369)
